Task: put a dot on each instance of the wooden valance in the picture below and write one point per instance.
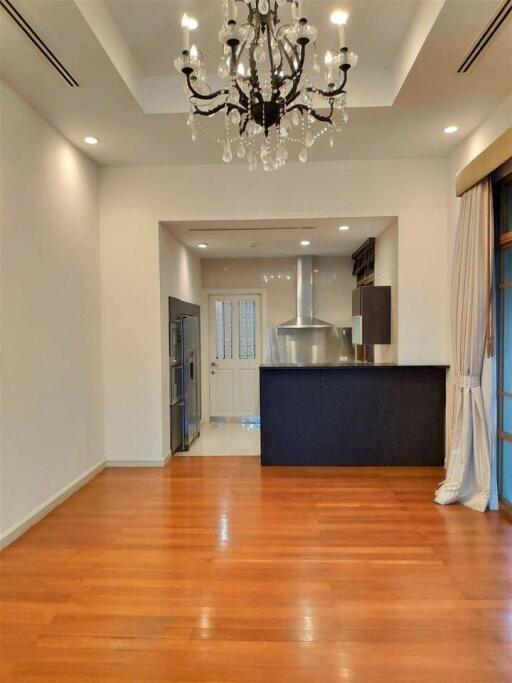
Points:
(485, 163)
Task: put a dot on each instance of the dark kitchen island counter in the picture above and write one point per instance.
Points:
(352, 414)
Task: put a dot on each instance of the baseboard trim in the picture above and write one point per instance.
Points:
(247, 419)
(41, 511)
(139, 463)
(37, 515)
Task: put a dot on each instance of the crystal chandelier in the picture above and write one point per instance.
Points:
(269, 101)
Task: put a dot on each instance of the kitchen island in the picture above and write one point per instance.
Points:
(352, 414)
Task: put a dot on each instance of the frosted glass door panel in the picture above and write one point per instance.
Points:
(247, 329)
(224, 330)
(235, 355)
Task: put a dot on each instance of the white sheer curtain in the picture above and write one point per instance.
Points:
(469, 464)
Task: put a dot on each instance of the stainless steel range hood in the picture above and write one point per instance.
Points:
(304, 318)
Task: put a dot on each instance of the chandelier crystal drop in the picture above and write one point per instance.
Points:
(269, 101)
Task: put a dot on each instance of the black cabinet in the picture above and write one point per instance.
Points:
(360, 415)
(371, 315)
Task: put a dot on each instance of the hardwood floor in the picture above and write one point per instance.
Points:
(214, 569)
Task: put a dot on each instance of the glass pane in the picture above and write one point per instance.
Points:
(506, 266)
(506, 342)
(506, 471)
(506, 415)
(224, 343)
(505, 209)
(247, 329)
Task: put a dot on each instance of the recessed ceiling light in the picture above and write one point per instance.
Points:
(90, 140)
(451, 129)
(305, 243)
(202, 245)
(342, 228)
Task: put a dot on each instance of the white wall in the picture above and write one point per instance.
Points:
(180, 277)
(332, 295)
(277, 280)
(52, 405)
(386, 273)
(277, 276)
(497, 123)
(134, 200)
(333, 284)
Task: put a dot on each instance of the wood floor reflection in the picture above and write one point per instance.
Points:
(214, 569)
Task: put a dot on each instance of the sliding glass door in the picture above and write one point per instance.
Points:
(503, 215)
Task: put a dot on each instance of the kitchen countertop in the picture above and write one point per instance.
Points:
(345, 365)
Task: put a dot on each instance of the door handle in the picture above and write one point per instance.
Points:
(212, 372)
(213, 363)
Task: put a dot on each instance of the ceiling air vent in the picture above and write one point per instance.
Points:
(38, 42)
(250, 229)
(485, 37)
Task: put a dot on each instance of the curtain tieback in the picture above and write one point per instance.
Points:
(467, 381)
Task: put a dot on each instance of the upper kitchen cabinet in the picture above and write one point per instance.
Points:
(371, 315)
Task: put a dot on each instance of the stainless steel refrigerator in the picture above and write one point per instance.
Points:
(191, 378)
(184, 377)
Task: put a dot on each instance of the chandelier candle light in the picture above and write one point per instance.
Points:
(269, 101)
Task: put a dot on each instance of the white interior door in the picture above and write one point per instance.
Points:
(235, 354)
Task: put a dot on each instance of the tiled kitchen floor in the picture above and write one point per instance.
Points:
(218, 438)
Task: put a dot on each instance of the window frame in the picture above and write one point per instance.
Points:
(503, 242)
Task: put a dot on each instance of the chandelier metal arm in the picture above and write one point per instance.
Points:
(209, 112)
(290, 45)
(243, 125)
(252, 60)
(257, 98)
(289, 59)
(293, 75)
(244, 100)
(319, 117)
(235, 57)
(234, 63)
(210, 96)
(332, 93)
(298, 75)
(270, 56)
(279, 67)
(289, 100)
(227, 105)
(294, 92)
(230, 106)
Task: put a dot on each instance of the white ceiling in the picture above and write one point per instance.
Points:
(266, 238)
(152, 29)
(398, 111)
